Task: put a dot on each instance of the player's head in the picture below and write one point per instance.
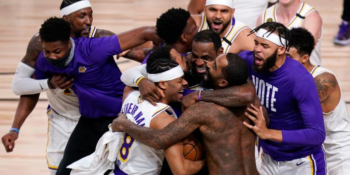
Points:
(271, 42)
(167, 74)
(176, 25)
(227, 70)
(55, 36)
(79, 15)
(219, 14)
(301, 45)
(206, 46)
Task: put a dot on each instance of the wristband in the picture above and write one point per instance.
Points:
(138, 80)
(15, 130)
(199, 95)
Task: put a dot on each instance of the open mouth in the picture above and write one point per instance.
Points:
(201, 70)
(217, 25)
(258, 60)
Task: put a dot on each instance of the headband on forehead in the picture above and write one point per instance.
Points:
(75, 7)
(228, 3)
(263, 33)
(168, 75)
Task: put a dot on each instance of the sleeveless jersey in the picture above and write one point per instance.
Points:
(135, 157)
(305, 9)
(64, 101)
(230, 36)
(337, 125)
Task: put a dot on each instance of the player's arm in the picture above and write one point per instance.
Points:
(177, 130)
(243, 42)
(313, 23)
(174, 154)
(136, 37)
(136, 77)
(326, 83)
(25, 106)
(228, 97)
(312, 134)
(196, 6)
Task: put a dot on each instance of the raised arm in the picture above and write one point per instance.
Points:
(234, 96)
(177, 130)
(136, 37)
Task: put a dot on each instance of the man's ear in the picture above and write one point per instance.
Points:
(183, 38)
(65, 17)
(305, 58)
(162, 85)
(222, 83)
(220, 51)
(281, 50)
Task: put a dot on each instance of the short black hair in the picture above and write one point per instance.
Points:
(302, 40)
(272, 27)
(160, 60)
(66, 3)
(171, 24)
(236, 72)
(208, 36)
(55, 29)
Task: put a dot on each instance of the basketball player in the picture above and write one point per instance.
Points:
(218, 17)
(97, 79)
(168, 77)
(63, 110)
(228, 149)
(335, 115)
(245, 11)
(295, 13)
(343, 36)
(292, 143)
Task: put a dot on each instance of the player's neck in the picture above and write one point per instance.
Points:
(180, 47)
(279, 62)
(285, 13)
(223, 34)
(309, 67)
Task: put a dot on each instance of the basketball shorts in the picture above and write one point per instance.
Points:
(314, 164)
(59, 131)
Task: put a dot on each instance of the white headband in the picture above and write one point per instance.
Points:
(168, 75)
(263, 33)
(75, 7)
(228, 3)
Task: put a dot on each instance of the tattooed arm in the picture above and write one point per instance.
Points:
(326, 84)
(190, 120)
(234, 96)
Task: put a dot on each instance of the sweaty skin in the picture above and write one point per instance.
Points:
(228, 144)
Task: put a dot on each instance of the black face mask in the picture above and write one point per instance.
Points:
(60, 63)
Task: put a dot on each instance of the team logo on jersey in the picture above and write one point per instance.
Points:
(269, 20)
(139, 99)
(82, 69)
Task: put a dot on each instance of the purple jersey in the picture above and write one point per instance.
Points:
(96, 76)
(290, 97)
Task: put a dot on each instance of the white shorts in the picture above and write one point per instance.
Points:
(313, 164)
(59, 130)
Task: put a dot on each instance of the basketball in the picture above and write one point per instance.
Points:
(192, 149)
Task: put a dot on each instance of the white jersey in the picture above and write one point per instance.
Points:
(249, 11)
(230, 36)
(305, 9)
(337, 143)
(64, 101)
(135, 157)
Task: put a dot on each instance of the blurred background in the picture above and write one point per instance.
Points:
(21, 19)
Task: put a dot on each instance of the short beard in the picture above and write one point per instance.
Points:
(207, 81)
(223, 28)
(269, 63)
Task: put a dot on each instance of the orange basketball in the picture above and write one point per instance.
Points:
(192, 149)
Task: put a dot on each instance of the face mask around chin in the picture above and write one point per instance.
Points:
(60, 63)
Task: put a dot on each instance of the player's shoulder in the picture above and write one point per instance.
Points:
(103, 33)
(34, 49)
(208, 109)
